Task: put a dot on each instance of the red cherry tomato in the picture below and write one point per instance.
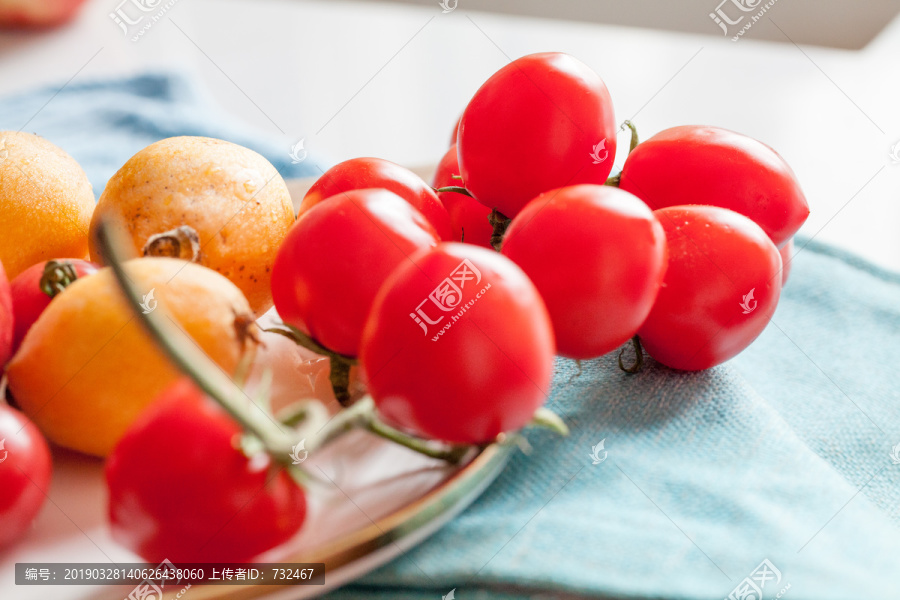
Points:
(597, 255)
(707, 165)
(468, 216)
(458, 345)
(7, 325)
(30, 298)
(787, 257)
(337, 255)
(180, 487)
(25, 468)
(360, 173)
(720, 290)
(542, 122)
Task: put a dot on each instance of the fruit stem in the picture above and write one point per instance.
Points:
(544, 417)
(58, 274)
(182, 242)
(638, 357)
(318, 435)
(451, 454)
(500, 223)
(363, 414)
(454, 188)
(616, 179)
(634, 135)
(339, 367)
(339, 375)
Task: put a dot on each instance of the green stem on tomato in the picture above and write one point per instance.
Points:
(638, 357)
(544, 417)
(616, 179)
(56, 277)
(634, 135)
(451, 454)
(363, 415)
(458, 189)
(500, 223)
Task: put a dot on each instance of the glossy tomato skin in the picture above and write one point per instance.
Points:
(694, 164)
(25, 470)
(29, 301)
(7, 321)
(361, 173)
(335, 258)
(468, 216)
(704, 313)
(597, 255)
(467, 380)
(532, 127)
(179, 487)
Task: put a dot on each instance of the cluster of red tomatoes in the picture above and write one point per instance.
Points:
(683, 249)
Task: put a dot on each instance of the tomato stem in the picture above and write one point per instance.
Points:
(500, 223)
(616, 179)
(57, 275)
(634, 135)
(339, 364)
(546, 418)
(339, 375)
(308, 410)
(458, 189)
(363, 414)
(451, 453)
(638, 357)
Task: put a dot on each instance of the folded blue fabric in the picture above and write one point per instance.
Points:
(104, 123)
(769, 476)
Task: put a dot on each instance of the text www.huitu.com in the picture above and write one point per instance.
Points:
(460, 313)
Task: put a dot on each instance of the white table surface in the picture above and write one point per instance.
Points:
(371, 78)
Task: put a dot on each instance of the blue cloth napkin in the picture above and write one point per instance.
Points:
(770, 475)
(104, 123)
